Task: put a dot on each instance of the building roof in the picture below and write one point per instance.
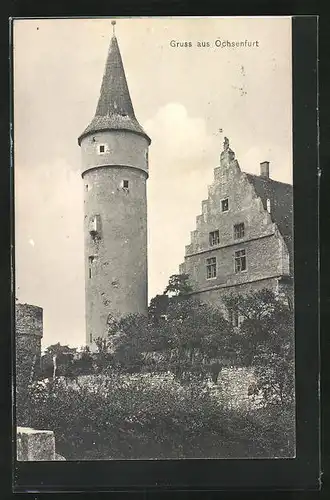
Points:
(114, 109)
(281, 203)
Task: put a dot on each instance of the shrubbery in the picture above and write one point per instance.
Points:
(149, 390)
(147, 416)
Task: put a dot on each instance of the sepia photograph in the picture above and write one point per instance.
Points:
(153, 244)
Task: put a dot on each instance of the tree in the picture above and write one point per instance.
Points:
(131, 342)
(64, 356)
(83, 364)
(178, 284)
(201, 336)
(178, 288)
(266, 342)
(158, 308)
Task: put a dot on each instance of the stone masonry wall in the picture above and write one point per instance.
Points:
(35, 445)
(267, 256)
(28, 335)
(213, 297)
(233, 388)
(116, 256)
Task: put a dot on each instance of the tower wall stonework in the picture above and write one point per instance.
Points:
(28, 336)
(122, 148)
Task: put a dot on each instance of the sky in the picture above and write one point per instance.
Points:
(182, 96)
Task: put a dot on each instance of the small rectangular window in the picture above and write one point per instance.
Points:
(125, 184)
(86, 187)
(211, 268)
(224, 205)
(95, 226)
(91, 337)
(101, 148)
(239, 230)
(214, 238)
(90, 265)
(240, 261)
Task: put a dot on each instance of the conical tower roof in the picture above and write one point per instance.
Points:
(114, 109)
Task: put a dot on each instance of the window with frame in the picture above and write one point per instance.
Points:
(240, 261)
(214, 238)
(211, 268)
(125, 184)
(239, 230)
(91, 337)
(225, 205)
(101, 149)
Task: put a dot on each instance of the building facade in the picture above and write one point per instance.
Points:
(114, 150)
(243, 239)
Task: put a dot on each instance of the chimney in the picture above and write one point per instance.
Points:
(264, 169)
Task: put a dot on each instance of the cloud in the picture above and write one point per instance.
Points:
(177, 138)
(49, 213)
(182, 158)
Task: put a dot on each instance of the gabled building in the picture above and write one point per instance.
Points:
(243, 239)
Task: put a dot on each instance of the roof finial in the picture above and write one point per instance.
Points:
(227, 152)
(113, 27)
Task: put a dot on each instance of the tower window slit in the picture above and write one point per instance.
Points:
(125, 185)
(90, 265)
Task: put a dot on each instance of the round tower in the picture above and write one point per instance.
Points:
(114, 151)
(28, 336)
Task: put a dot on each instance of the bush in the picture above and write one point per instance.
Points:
(147, 416)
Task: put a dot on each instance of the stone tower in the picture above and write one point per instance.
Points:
(114, 151)
(28, 336)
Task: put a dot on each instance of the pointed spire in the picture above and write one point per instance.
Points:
(114, 109)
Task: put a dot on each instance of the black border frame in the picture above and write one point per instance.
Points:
(301, 473)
